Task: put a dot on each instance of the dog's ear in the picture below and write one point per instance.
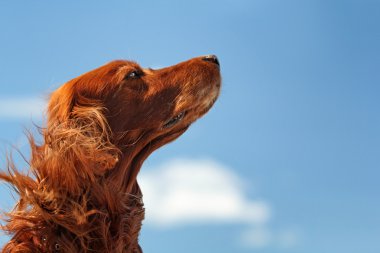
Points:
(61, 104)
(74, 104)
(78, 133)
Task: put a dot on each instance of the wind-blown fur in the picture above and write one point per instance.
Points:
(81, 193)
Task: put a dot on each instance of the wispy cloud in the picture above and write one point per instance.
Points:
(21, 107)
(198, 191)
(260, 237)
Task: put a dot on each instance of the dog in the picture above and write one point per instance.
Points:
(81, 193)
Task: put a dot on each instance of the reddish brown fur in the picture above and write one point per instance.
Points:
(82, 195)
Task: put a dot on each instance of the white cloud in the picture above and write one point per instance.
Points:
(259, 237)
(289, 238)
(183, 191)
(18, 108)
(198, 191)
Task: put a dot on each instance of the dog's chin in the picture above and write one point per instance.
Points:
(155, 143)
(165, 138)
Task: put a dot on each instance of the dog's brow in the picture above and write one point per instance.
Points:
(123, 70)
(128, 67)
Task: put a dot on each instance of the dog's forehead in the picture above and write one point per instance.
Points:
(124, 65)
(119, 68)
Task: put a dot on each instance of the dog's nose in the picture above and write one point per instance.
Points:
(211, 58)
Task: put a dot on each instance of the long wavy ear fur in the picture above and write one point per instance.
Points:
(78, 144)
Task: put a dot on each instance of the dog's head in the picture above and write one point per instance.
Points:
(135, 98)
(137, 109)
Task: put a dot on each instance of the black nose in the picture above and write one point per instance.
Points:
(211, 58)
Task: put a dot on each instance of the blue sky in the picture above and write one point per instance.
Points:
(296, 126)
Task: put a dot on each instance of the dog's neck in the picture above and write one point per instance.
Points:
(124, 175)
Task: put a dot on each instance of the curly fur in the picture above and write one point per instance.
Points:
(81, 193)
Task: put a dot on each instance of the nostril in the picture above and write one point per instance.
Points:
(211, 58)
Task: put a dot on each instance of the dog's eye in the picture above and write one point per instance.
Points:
(132, 75)
(57, 247)
(174, 120)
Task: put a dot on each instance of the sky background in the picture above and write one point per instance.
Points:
(286, 161)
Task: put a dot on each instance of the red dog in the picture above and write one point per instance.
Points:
(83, 195)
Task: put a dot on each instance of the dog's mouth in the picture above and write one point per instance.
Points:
(175, 120)
(196, 107)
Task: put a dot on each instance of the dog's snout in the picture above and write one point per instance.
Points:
(211, 58)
